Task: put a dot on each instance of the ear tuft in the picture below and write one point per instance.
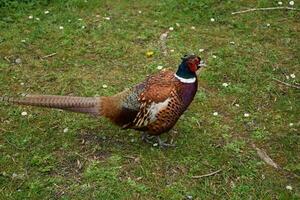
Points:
(184, 57)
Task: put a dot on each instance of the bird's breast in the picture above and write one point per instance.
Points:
(188, 92)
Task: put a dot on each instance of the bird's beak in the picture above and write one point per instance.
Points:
(201, 64)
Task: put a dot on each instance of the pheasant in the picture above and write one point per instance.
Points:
(152, 107)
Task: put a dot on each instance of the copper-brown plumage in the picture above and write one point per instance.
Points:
(153, 106)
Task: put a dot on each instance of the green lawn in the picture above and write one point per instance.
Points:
(49, 154)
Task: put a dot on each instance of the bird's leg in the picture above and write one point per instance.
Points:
(147, 138)
(163, 144)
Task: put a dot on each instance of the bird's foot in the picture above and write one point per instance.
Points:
(157, 141)
(147, 138)
(163, 144)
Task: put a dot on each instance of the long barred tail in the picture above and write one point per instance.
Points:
(89, 105)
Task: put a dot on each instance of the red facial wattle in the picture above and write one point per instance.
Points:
(195, 64)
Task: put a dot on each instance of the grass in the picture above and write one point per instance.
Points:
(95, 159)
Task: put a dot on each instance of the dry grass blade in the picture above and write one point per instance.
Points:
(50, 55)
(286, 84)
(264, 156)
(206, 175)
(163, 38)
(261, 9)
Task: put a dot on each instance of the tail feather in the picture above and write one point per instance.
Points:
(90, 105)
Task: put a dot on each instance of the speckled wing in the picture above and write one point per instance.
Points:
(159, 92)
(159, 87)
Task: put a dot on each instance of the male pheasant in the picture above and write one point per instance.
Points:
(153, 106)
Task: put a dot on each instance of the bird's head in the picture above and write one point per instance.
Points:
(192, 62)
(189, 65)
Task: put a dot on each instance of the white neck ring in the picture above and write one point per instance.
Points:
(185, 80)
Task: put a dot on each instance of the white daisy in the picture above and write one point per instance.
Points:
(159, 67)
(215, 114)
(291, 3)
(225, 84)
(288, 187)
(18, 61)
(246, 114)
(171, 28)
(24, 113)
(292, 75)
